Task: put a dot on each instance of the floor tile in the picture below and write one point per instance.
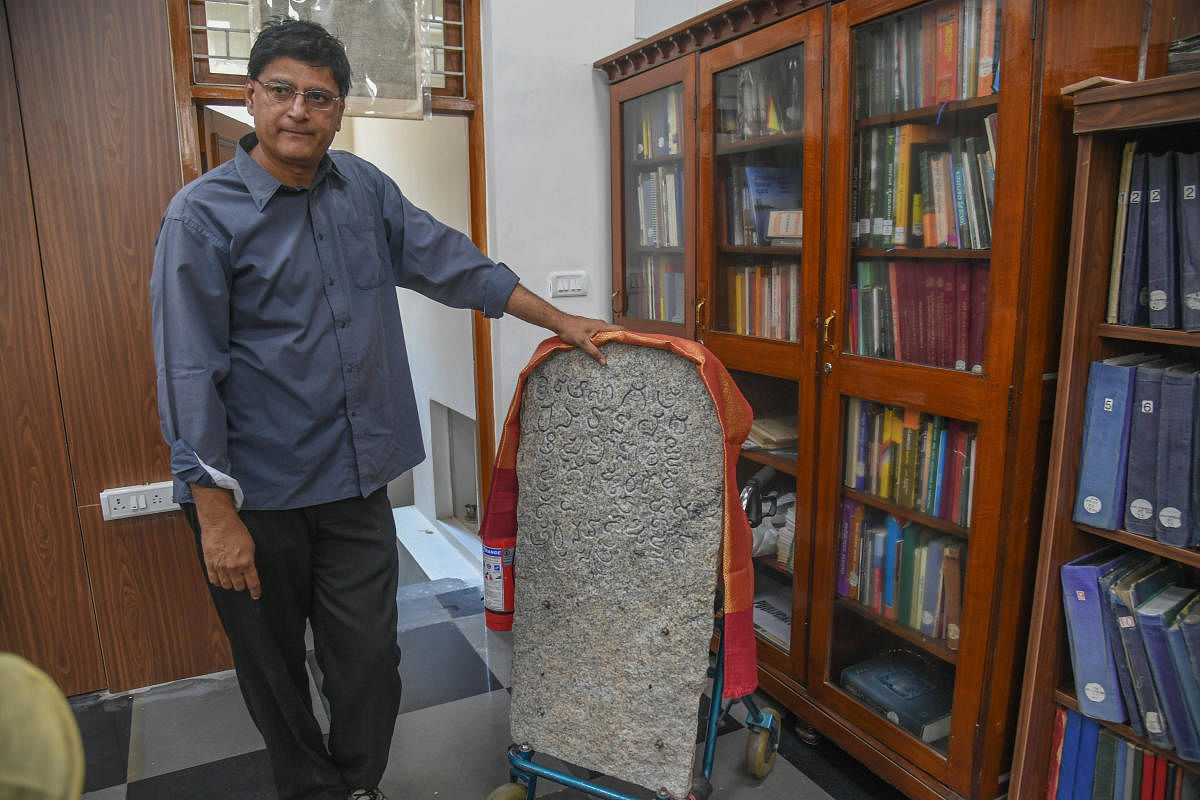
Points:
(186, 723)
(494, 647)
(440, 666)
(245, 777)
(464, 602)
(104, 723)
(111, 793)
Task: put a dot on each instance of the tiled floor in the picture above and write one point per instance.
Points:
(193, 740)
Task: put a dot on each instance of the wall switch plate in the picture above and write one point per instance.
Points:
(137, 501)
(568, 284)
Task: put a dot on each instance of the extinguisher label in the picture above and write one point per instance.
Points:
(495, 559)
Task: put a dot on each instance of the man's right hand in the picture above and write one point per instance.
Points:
(227, 544)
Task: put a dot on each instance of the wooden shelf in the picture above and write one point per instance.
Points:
(936, 523)
(1134, 333)
(748, 250)
(932, 113)
(758, 143)
(935, 647)
(785, 464)
(1067, 700)
(1180, 554)
(923, 253)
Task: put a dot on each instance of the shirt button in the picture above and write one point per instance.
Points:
(320, 237)
(331, 281)
(349, 368)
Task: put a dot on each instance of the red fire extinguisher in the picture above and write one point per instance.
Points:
(498, 583)
(499, 534)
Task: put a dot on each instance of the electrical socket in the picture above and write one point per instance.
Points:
(136, 501)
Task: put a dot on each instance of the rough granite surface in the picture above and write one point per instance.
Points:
(619, 522)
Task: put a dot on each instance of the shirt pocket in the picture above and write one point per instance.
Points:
(360, 247)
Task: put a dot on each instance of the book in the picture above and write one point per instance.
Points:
(907, 690)
(910, 540)
(946, 74)
(931, 597)
(1103, 457)
(1136, 562)
(773, 613)
(891, 566)
(771, 189)
(1162, 271)
(1097, 688)
(1132, 308)
(1182, 663)
(1114, 280)
(1189, 626)
(1141, 470)
(1125, 595)
(1105, 781)
(1056, 752)
(1070, 756)
(952, 579)
(1187, 222)
(1173, 523)
(907, 135)
(1154, 615)
(989, 30)
(1085, 761)
(979, 293)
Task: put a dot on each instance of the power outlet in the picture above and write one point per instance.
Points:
(137, 501)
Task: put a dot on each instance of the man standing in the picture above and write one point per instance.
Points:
(285, 395)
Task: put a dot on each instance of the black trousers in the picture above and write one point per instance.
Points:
(335, 566)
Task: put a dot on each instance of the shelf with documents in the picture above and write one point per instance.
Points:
(805, 290)
(1160, 115)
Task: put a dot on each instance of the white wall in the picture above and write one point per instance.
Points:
(428, 160)
(547, 123)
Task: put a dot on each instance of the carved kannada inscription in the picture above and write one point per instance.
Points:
(619, 518)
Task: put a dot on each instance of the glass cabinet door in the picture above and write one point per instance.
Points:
(907, 427)
(759, 270)
(653, 127)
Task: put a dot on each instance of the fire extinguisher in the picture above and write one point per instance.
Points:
(498, 583)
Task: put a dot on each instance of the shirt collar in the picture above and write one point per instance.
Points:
(261, 184)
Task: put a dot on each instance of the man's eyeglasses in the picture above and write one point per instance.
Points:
(315, 99)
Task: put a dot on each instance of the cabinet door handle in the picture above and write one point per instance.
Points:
(700, 304)
(825, 329)
(616, 304)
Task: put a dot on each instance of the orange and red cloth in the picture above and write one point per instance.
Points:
(737, 572)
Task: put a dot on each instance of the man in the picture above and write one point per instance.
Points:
(285, 395)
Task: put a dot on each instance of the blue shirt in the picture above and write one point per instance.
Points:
(282, 370)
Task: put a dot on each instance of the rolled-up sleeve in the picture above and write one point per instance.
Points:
(189, 299)
(440, 262)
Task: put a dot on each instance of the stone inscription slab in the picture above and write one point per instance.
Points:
(619, 522)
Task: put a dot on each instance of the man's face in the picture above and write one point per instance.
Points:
(293, 136)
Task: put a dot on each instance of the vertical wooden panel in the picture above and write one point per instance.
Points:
(96, 88)
(45, 605)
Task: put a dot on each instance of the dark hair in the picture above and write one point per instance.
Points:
(304, 41)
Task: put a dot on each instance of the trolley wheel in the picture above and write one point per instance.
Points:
(509, 791)
(760, 752)
(701, 789)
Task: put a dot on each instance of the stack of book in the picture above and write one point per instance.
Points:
(1138, 455)
(901, 571)
(923, 462)
(658, 125)
(764, 97)
(1133, 625)
(929, 312)
(750, 196)
(655, 285)
(763, 299)
(773, 613)
(1155, 274)
(660, 206)
(913, 187)
(907, 690)
(931, 54)
(1091, 761)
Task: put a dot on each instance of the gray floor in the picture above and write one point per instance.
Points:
(194, 739)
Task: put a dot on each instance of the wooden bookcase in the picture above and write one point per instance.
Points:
(1162, 113)
(823, 69)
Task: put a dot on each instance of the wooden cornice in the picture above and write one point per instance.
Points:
(726, 22)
